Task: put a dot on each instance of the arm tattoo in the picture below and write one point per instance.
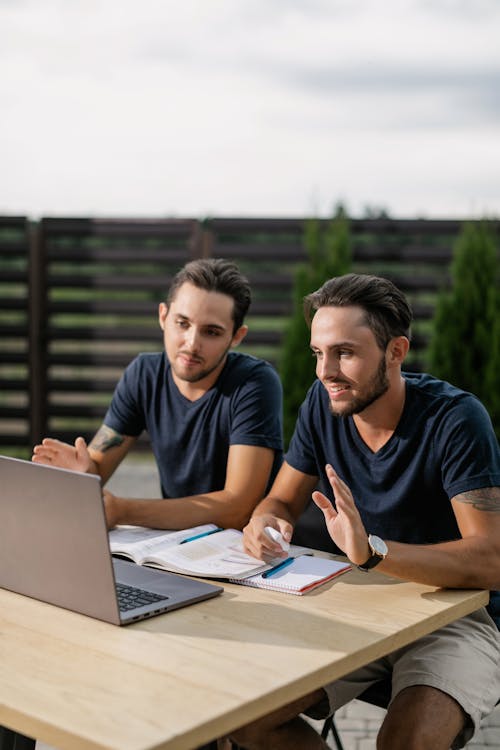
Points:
(486, 499)
(105, 438)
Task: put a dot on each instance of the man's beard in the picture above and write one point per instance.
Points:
(201, 374)
(376, 388)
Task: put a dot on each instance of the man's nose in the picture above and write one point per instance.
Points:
(328, 367)
(192, 339)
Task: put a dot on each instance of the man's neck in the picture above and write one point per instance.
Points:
(377, 423)
(194, 391)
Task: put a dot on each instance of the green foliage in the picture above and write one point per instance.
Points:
(465, 343)
(329, 254)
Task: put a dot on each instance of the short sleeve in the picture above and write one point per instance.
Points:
(301, 454)
(467, 442)
(256, 409)
(125, 413)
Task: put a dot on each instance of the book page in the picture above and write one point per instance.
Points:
(218, 555)
(302, 575)
(213, 555)
(138, 542)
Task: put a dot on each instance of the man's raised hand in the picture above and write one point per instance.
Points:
(63, 455)
(343, 523)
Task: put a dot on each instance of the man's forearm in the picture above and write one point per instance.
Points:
(464, 563)
(274, 506)
(220, 508)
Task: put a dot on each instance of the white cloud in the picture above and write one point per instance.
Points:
(248, 107)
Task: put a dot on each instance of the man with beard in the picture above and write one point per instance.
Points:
(213, 416)
(409, 469)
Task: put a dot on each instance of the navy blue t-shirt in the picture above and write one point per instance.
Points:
(443, 445)
(191, 439)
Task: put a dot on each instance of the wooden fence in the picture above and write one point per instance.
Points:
(79, 299)
(15, 300)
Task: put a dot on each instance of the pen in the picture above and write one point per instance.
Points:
(198, 536)
(278, 567)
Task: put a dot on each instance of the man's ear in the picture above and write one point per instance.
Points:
(397, 350)
(239, 335)
(162, 314)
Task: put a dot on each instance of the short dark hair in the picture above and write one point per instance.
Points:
(387, 311)
(216, 275)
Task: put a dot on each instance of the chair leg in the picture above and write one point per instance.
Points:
(329, 726)
(7, 739)
(10, 740)
(24, 743)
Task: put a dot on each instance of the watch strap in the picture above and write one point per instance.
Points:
(372, 561)
(377, 555)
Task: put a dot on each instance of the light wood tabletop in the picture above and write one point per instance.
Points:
(181, 679)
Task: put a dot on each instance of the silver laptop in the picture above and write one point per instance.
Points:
(54, 547)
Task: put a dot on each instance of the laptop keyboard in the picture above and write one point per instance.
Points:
(130, 597)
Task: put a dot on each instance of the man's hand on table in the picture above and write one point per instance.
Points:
(258, 543)
(111, 508)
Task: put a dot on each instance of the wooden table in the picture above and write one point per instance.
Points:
(182, 679)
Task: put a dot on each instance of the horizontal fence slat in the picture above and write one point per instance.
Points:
(92, 358)
(13, 412)
(15, 440)
(116, 333)
(14, 276)
(12, 248)
(94, 306)
(13, 358)
(19, 384)
(109, 281)
(76, 410)
(118, 227)
(120, 254)
(81, 385)
(414, 254)
(14, 331)
(13, 303)
(254, 251)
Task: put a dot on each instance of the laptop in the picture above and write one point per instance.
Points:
(54, 547)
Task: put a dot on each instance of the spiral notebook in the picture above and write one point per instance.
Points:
(302, 575)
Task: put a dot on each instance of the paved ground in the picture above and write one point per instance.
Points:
(357, 722)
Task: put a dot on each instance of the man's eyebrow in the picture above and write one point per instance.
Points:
(218, 326)
(337, 345)
(215, 325)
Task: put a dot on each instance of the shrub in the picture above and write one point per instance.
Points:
(465, 343)
(329, 254)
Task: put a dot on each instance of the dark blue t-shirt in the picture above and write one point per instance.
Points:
(191, 439)
(443, 445)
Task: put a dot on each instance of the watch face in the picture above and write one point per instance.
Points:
(378, 545)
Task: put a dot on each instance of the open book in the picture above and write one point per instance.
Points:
(203, 551)
(300, 576)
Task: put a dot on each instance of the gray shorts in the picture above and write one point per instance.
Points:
(461, 659)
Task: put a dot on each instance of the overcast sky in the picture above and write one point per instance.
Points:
(249, 107)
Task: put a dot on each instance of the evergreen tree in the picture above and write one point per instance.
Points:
(465, 344)
(329, 254)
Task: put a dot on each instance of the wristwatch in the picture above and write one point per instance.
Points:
(378, 550)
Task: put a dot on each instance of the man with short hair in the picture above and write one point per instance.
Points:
(213, 416)
(409, 467)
